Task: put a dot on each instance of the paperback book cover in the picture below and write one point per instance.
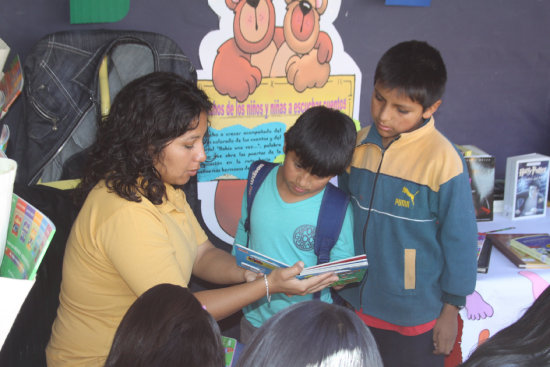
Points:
(526, 186)
(523, 261)
(537, 246)
(29, 235)
(481, 168)
(349, 270)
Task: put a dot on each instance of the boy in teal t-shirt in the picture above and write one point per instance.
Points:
(284, 215)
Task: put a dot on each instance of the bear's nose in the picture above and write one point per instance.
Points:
(253, 3)
(305, 7)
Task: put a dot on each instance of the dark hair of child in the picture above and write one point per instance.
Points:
(323, 139)
(422, 78)
(525, 343)
(312, 333)
(167, 326)
(160, 107)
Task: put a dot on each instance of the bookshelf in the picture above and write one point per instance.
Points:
(505, 292)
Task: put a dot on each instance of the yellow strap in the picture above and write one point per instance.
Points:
(104, 87)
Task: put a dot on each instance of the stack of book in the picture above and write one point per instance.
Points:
(526, 251)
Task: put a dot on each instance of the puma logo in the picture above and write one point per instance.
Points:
(409, 194)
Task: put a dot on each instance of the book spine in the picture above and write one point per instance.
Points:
(530, 251)
(510, 187)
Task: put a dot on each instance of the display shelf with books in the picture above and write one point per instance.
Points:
(526, 186)
(481, 168)
(506, 291)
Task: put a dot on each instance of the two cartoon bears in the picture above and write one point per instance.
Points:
(299, 50)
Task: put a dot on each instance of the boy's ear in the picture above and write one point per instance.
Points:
(428, 112)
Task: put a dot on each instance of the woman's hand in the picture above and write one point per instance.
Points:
(284, 281)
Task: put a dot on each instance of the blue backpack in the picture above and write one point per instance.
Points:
(331, 214)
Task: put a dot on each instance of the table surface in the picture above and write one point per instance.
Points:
(506, 291)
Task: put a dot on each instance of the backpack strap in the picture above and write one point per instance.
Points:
(257, 172)
(329, 222)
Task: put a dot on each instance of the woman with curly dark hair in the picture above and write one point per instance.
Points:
(135, 228)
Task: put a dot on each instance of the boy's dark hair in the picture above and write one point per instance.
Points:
(167, 326)
(312, 333)
(416, 68)
(323, 139)
(146, 115)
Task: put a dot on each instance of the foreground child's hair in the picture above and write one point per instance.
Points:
(525, 343)
(167, 326)
(312, 333)
(323, 140)
(415, 68)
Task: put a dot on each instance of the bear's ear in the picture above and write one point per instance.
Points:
(232, 4)
(321, 6)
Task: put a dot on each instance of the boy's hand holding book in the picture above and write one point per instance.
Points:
(283, 280)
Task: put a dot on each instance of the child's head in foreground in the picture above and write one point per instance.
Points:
(312, 333)
(167, 326)
(317, 147)
(409, 82)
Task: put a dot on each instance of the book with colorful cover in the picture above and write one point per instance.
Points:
(537, 246)
(523, 261)
(526, 186)
(349, 270)
(29, 235)
(232, 350)
(11, 85)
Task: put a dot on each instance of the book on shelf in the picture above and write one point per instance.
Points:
(481, 168)
(349, 270)
(526, 186)
(536, 246)
(29, 235)
(484, 249)
(523, 261)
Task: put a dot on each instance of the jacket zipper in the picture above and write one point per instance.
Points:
(36, 176)
(368, 214)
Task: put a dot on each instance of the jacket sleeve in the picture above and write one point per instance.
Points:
(458, 238)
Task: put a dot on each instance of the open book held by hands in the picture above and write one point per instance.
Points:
(349, 270)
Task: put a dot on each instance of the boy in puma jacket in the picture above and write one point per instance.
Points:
(413, 214)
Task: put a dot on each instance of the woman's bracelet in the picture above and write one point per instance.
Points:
(267, 289)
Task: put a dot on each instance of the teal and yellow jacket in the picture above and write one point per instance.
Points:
(415, 220)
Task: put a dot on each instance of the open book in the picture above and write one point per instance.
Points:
(29, 235)
(349, 270)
